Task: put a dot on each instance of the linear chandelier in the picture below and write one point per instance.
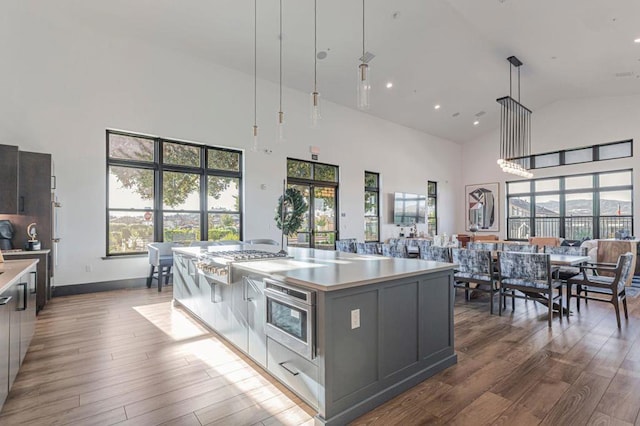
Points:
(515, 129)
(315, 96)
(254, 146)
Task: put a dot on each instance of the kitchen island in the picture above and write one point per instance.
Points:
(345, 332)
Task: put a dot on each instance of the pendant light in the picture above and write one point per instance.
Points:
(315, 96)
(280, 125)
(364, 83)
(515, 130)
(254, 146)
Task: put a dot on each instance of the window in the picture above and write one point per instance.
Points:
(161, 190)
(371, 206)
(432, 208)
(594, 205)
(318, 184)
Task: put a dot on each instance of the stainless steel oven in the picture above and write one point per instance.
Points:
(291, 315)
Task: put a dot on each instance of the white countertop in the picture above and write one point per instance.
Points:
(328, 270)
(11, 270)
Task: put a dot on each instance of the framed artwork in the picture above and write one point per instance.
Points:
(482, 202)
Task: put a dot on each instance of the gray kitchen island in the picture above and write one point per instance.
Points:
(345, 332)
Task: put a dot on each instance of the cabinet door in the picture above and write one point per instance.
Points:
(178, 280)
(222, 309)
(15, 307)
(256, 319)
(34, 191)
(238, 318)
(28, 320)
(5, 314)
(9, 179)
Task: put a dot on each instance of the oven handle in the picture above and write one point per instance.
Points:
(276, 295)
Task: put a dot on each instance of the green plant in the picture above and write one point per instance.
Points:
(290, 212)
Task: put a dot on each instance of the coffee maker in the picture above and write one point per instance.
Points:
(6, 235)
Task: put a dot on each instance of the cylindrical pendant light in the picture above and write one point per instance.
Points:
(315, 96)
(254, 146)
(364, 82)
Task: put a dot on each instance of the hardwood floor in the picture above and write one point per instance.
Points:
(128, 357)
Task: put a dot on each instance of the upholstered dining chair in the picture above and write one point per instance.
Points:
(423, 244)
(367, 248)
(435, 253)
(161, 257)
(566, 272)
(520, 248)
(610, 289)
(346, 245)
(474, 267)
(484, 246)
(529, 273)
(394, 250)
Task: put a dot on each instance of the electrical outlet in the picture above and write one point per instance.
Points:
(88, 268)
(355, 318)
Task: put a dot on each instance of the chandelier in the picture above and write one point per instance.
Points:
(515, 129)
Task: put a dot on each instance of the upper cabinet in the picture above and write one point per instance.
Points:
(9, 203)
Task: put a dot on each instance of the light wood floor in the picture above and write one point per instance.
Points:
(129, 357)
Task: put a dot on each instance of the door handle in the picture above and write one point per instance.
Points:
(34, 281)
(293, 373)
(5, 300)
(24, 297)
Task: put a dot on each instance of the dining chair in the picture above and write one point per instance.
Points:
(474, 267)
(530, 274)
(611, 289)
(566, 272)
(160, 257)
(422, 246)
(346, 245)
(394, 250)
(484, 246)
(438, 254)
(520, 248)
(367, 248)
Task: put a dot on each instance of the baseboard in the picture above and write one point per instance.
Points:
(70, 290)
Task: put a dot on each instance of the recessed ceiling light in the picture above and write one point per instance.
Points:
(389, 85)
(436, 106)
(636, 40)
(475, 123)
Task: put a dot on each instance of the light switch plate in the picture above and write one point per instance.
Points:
(355, 318)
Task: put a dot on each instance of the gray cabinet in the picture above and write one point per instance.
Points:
(17, 325)
(5, 318)
(256, 318)
(9, 179)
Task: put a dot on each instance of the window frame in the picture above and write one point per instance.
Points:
(375, 189)
(595, 190)
(159, 167)
(433, 197)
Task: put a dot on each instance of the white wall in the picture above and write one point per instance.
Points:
(62, 85)
(562, 125)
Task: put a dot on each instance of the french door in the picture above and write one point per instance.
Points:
(319, 228)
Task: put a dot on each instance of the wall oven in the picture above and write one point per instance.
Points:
(291, 315)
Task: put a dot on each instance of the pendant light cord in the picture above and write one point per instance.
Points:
(363, 31)
(315, 45)
(280, 55)
(255, 62)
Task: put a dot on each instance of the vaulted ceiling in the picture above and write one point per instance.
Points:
(446, 52)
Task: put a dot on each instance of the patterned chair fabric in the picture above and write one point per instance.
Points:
(422, 246)
(347, 245)
(438, 254)
(566, 272)
(367, 248)
(484, 246)
(394, 250)
(612, 288)
(529, 273)
(520, 248)
(474, 266)
(397, 241)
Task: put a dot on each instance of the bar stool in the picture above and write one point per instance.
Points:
(161, 257)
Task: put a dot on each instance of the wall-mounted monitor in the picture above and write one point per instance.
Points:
(409, 208)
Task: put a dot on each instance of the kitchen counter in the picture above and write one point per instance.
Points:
(345, 332)
(328, 270)
(11, 270)
(23, 252)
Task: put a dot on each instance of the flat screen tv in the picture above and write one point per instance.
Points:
(409, 208)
